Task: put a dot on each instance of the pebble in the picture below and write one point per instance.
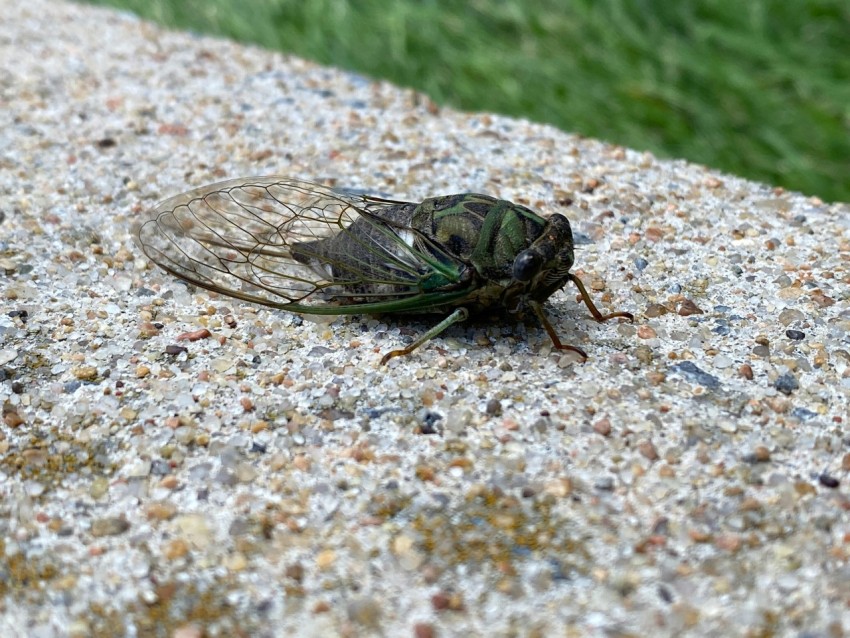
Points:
(688, 308)
(646, 332)
(690, 371)
(786, 383)
(109, 526)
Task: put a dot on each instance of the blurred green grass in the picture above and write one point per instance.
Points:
(760, 88)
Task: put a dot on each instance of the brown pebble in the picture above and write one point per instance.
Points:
(845, 462)
(295, 571)
(161, 511)
(196, 335)
(688, 308)
(169, 482)
(698, 536)
(173, 349)
(442, 601)
(728, 542)
(301, 462)
(423, 630)
(654, 234)
(746, 371)
(648, 450)
(821, 299)
(751, 505)
(761, 454)
(665, 471)
(321, 607)
(176, 548)
(425, 473)
(603, 427)
(646, 332)
(247, 404)
(147, 329)
(12, 419)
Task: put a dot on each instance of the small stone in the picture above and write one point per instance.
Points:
(161, 511)
(176, 548)
(828, 481)
(648, 450)
(325, 558)
(142, 371)
(602, 427)
(759, 455)
(442, 601)
(790, 315)
(655, 310)
(12, 419)
(494, 407)
(85, 373)
(559, 488)
(365, 612)
(148, 330)
(109, 526)
(746, 371)
(694, 374)
(195, 529)
(786, 383)
(174, 350)
(795, 335)
(643, 353)
(195, 335)
(821, 299)
(688, 308)
(646, 332)
(295, 571)
(99, 487)
(423, 630)
(235, 562)
(729, 542)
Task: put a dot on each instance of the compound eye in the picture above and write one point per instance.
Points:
(526, 265)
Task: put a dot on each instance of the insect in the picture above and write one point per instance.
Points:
(312, 249)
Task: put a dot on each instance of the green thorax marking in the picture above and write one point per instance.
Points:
(483, 231)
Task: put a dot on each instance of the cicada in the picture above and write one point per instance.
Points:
(312, 249)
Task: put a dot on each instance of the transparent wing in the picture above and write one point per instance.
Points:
(264, 240)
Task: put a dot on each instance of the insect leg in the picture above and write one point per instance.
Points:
(457, 316)
(541, 315)
(592, 307)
